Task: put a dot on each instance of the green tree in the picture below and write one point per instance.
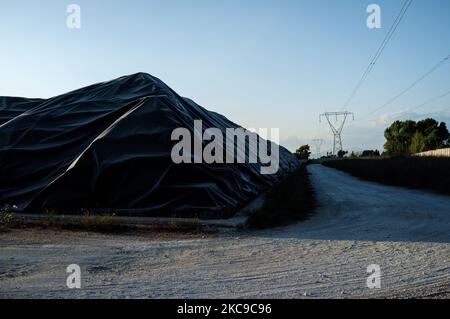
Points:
(398, 137)
(303, 152)
(405, 137)
(418, 144)
(436, 134)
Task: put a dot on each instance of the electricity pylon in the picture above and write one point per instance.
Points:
(337, 129)
(318, 144)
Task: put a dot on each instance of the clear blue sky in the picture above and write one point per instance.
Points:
(261, 63)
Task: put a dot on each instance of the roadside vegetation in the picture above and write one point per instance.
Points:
(106, 223)
(431, 173)
(85, 222)
(303, 153)
(8, 219)
(292, 200)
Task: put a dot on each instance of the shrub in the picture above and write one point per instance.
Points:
(8, 219)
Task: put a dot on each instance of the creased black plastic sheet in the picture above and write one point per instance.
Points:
(107, 147)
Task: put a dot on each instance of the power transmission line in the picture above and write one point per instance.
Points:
(426, 103)
(423, 77)
(380, 50)
(430, 101)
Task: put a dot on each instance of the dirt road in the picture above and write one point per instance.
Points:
(405, 232)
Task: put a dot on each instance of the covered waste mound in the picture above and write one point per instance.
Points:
(107, 147)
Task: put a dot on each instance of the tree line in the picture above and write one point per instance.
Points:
(410, 137)
(403, 138)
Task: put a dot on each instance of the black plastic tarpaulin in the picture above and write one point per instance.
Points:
(108, 147)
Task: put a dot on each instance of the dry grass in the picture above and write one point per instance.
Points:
(106, 224)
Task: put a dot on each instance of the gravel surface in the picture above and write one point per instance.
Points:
(405, 232)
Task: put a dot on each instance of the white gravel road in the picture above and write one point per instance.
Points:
(358, 223)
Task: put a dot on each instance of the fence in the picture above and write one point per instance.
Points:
(444, 152)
